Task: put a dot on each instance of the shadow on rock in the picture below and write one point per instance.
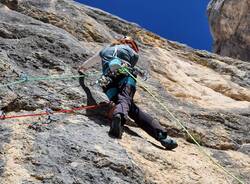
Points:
(98, 115)
(131, 132)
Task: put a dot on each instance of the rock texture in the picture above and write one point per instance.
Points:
(209, 93)
(229, 23)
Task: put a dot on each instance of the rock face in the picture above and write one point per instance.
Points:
(230, 25)
(209, 93)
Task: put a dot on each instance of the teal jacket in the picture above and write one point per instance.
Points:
(124, 52)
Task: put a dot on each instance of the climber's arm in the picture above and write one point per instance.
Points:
(90, 62)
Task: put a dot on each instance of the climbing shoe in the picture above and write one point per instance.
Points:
(116, 126)
(166, 141)
(169, 143)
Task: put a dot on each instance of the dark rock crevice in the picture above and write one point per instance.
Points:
(11, 4)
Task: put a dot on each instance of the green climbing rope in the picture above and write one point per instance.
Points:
(34, 79)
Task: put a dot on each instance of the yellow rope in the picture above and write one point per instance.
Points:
(186, 130)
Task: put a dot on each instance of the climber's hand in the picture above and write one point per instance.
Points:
(81, 69)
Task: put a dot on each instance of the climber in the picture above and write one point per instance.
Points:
(120, 88)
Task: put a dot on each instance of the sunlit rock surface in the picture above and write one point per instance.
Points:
(210, 94)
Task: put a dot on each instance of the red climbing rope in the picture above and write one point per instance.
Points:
(3, 117)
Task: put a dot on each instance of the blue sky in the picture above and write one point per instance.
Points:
(184, 21)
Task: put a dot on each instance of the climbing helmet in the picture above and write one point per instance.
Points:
(130, 41)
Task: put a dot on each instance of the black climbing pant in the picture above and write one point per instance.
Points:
(123, 98)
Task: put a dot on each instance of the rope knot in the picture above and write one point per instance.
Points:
(2, 115)
(24, 77)
(49, 111)
(50, 118)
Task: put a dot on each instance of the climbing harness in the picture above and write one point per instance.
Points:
(186, 130)
(135, 71)
(104, 81)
